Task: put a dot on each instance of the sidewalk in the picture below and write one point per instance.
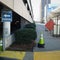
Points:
(12, 55)
(51, 50)
(52, 55)
(29, 56)
(51, 43)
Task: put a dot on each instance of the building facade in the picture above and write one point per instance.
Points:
(52, 6)
(20, 15)
(38, 9)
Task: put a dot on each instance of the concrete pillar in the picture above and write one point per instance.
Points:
(6, 29)
(54, 30)
(6, 33)
(56, 27)
(45, 14)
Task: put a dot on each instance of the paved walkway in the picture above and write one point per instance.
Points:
(52, 55)
(52, 44)
(29, 56)
(12, 55)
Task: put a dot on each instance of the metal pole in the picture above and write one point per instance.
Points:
(57, 26)
(46, 9)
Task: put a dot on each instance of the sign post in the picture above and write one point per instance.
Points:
(6, 19)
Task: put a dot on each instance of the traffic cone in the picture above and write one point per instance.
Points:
(41, 42)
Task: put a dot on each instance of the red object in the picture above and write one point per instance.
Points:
(50, 25)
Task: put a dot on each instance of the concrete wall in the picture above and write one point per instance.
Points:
(9, 40)
(36, 5)
(22, 10)
(8, 3)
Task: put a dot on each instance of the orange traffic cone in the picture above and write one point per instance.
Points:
(41, 42)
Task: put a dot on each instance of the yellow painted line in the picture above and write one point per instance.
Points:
(13, 54)
(55, 55)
